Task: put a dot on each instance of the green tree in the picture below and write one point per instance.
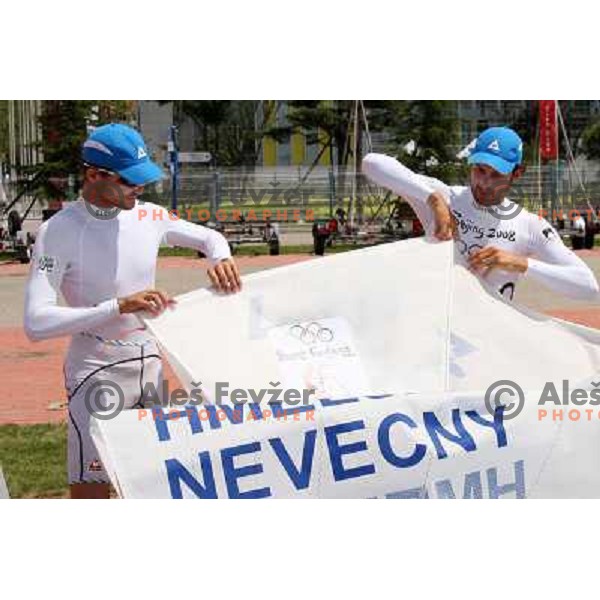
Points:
(577, 117)
(64, 128)
(209, 115)
(590, 140)
(425, 136)
(320, 121)
(244, 133)
(228, 128)
(330, 122)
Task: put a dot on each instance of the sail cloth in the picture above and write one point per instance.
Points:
(399, 344)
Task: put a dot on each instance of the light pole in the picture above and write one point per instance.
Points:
(173, 164)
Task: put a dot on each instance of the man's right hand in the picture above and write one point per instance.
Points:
(153, 301)
(445, 223)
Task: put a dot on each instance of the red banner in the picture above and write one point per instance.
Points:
(548, 130)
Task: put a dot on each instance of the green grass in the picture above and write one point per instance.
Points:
(34, 460)
(318, 210)
(167, 251)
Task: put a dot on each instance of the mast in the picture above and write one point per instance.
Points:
(355, 165)
(571, 156)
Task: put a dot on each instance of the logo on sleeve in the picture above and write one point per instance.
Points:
(549, 233)
(47, 263)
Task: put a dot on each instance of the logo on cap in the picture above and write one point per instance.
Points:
(498, 147)
(121, 149)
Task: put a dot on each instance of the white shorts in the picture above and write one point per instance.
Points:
(101, 375)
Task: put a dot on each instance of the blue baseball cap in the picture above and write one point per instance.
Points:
(498, 147)
(121, 149)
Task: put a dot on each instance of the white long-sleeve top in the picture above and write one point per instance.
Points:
(93, 262)
(549, 260)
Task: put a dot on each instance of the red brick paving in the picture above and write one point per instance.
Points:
(32, 379)
(260, 261)
(8, 269)
(592, 252)
(586, 316)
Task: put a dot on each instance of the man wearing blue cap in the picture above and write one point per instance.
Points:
(100, 252)
(500, 240)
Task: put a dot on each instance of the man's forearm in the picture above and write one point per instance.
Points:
(574, 280)
(189, 235)
(44, 321)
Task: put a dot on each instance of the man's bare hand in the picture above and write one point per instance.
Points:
(486, 259)
(225, 276)
(445, 223)
(153, 301)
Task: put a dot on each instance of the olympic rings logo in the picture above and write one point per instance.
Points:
(465, 249)
(312, 333)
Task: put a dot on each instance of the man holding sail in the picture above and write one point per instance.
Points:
(499, 239)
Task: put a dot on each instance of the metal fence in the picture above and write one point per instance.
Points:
(323, 189)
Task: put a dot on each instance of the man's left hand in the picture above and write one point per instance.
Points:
(486, 259)
(225, 276)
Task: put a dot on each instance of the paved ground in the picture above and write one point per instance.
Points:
(32, 373)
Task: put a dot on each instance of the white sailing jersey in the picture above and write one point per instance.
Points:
(94, 261)
(525, 234)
